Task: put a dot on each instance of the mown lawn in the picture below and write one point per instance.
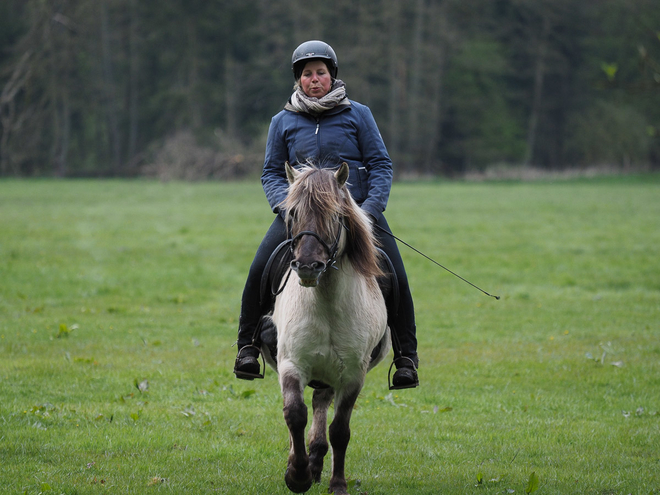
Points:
(118, 310)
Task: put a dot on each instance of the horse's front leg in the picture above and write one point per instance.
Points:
(317, 439)
(298, 476)
(340, 434)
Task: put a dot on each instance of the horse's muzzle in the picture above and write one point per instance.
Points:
(308, 274)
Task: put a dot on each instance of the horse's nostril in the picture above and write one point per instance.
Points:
(308, 268)
(318, 265)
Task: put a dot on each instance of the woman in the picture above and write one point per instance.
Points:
(320, 124)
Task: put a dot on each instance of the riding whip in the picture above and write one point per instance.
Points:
(433, 261)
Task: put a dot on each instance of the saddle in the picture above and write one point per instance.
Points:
(276, 276)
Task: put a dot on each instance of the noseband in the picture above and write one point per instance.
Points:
(332, 251)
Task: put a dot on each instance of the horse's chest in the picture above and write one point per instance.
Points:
(329, 336)
(328, 342)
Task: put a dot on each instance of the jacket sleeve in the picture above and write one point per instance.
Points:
(273, 177)
(377, 162)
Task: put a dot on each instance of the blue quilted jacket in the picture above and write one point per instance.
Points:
(347, 133)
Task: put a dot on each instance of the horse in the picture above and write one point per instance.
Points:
(330, 317)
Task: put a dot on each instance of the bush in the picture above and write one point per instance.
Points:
(610, 134)
(181, 157)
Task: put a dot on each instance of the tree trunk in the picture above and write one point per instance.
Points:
(414, 96)
(431, 157)
(539, 75)
(63, 112)
(231, 98)
(193, 76)
(110, 91)
(133, 91)
(394, 145)
(9, 121)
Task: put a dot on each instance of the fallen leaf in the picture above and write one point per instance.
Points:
(157, 480)
(247, 394)
(533, 483)
(142, 386)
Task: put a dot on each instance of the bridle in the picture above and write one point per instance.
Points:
(332, 250)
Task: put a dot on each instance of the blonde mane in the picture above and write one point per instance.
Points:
(318, 202)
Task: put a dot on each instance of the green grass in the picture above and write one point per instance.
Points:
(104, 284)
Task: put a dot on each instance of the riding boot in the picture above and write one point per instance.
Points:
(401, 319)
(405, 375)
(406, 365)
(247, 366)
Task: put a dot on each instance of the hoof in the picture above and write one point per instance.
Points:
(341, 488)
(297, 486)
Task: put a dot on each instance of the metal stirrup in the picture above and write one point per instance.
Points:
(250, 376)
(389, 375)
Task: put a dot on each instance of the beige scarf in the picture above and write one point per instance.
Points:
(300, 102)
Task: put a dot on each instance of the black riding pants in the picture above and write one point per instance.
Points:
(251, 310)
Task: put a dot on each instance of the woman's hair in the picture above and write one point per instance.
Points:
(300, 66)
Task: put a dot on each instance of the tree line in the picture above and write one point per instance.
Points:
(186, 89)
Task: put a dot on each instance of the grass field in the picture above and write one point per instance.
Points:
(118, 311)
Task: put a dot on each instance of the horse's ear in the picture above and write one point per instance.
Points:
(342, 174)
(291, 173)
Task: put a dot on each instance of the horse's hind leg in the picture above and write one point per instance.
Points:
(298, 476)
(318, 442)
(340, 434)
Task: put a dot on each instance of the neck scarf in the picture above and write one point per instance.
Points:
(300, 102)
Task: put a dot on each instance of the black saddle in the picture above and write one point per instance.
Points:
(273, 278)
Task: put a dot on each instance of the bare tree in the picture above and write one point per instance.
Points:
(10, 119)
(110, 89)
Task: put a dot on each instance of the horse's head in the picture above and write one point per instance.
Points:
(327, 224)
(315, 209)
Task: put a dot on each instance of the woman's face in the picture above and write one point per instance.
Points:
(315, 79)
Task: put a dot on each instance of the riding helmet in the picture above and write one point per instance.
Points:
(310, 50)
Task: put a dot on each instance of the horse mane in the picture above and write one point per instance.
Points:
(316, 198)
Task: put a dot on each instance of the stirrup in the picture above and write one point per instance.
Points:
(401, 387)
(250, 376)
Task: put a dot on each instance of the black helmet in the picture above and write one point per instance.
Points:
(311, 50)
